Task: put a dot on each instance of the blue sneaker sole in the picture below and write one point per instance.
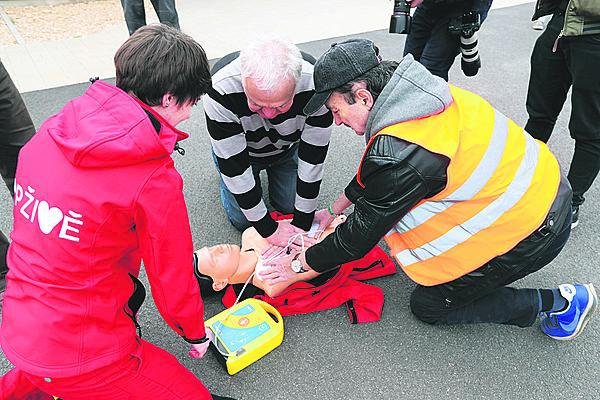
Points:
(585, 315)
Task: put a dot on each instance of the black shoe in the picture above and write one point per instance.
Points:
(574, 216)
(215, 397)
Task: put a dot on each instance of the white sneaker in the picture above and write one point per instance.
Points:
(538, 25)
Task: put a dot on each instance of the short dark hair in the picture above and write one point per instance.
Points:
(375, 80)
(158, 59)
(206, 285)
(204, 281)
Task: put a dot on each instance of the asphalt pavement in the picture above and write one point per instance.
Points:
(323, 356)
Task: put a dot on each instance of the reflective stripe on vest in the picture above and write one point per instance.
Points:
(501, 184)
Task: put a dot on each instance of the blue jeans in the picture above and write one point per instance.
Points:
(430, 42)
(135, 14)
(282, 175)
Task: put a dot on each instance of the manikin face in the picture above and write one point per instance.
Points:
(220, 262)
(355, 115)
(269, 104)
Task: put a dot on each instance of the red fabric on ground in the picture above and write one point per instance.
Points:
(363, 301)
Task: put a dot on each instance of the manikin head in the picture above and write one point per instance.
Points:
(219, 262)
(270, 70)
(165, 69)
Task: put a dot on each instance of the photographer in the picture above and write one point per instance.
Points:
(430, 40)
(567, 54)
(16, 128)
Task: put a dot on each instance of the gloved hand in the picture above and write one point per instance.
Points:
(285, 230)
(199, 350)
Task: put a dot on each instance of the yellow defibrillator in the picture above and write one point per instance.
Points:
(245, 333)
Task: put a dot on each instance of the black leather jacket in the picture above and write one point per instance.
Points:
(397, 175)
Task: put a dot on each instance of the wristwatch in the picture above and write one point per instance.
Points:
(296, 265)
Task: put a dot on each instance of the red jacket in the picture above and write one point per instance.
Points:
(96, 193)
(364, 302)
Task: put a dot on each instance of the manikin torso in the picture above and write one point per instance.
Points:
(252, 246)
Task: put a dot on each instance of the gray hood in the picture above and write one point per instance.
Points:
(412, 93)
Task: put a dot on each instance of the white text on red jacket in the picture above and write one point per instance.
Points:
(47, 217)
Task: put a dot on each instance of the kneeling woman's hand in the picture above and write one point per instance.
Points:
(199, 350)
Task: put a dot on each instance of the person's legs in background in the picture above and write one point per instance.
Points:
(420, 32)
(16, 128)
(135, 14)
(429, 40)
(576, 63)
(166, 11)
(549, 82)
(583, 59)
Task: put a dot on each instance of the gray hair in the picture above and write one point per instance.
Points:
(269, 61)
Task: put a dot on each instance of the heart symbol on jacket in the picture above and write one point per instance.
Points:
(48, 217)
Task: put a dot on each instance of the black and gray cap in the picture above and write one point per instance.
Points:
(341, 63)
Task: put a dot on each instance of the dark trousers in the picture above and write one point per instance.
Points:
(482, 296)
(575, 63)
(429, 40)
(135, 14)
(16, 129)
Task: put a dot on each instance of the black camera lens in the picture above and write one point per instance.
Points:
(466, 26)
(470, 61)
(400, 20)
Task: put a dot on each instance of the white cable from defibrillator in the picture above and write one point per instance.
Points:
(291, 241)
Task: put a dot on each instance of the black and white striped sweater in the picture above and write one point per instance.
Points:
(240, 136)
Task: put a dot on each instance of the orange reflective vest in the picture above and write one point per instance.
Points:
(501, 184)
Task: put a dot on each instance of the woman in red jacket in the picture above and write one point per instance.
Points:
(96, 193)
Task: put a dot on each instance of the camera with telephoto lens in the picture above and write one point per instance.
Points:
(467, 26)
(400, 20)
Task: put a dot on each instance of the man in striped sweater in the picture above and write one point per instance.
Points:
(255, 121)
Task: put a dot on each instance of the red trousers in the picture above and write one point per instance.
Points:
(149, 373)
